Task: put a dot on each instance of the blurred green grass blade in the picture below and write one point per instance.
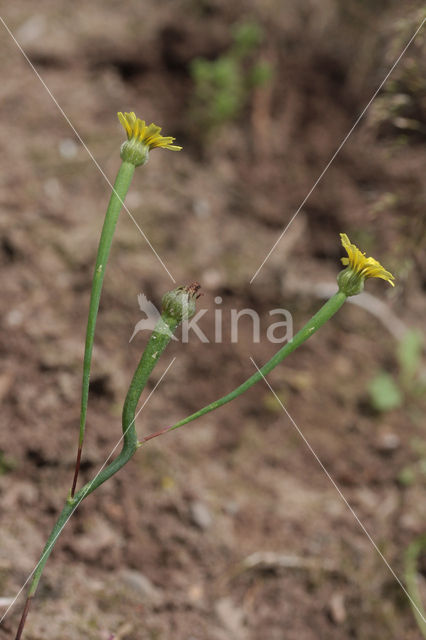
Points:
(411, 558)
(409, 354)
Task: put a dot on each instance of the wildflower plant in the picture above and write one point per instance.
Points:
(134, 152)
(177, 305)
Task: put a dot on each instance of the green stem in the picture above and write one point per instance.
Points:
(324, 314)
(158, 341)
(121, 186)
(155, 347)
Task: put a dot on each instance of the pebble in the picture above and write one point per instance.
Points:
(202, 208)
(212, 279)
(200, 515)
(68, 148)
(52, 188)
(6, 602)
(337, 608)
(31, 30)
(14, 318)
(387, 441)
(231, 617)
(142, 585)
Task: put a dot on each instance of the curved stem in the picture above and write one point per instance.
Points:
(158, 341)
(324, 314)
(156, 345)
(121, 187)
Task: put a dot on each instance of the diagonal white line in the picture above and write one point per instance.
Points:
(333, 482)
(86, 147)
(339, 148)
(84, 494)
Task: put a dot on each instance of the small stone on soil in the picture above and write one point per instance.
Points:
(200, 515)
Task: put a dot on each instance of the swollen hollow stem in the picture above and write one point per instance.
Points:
(158, 341)
(325, 313)
(177, 305)
(121, 186)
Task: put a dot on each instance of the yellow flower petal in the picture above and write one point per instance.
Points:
(137, 129)
(365, 267)
(125, 124)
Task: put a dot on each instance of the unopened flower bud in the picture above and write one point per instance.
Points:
(180, 303)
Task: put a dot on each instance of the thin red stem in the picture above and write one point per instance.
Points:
(23, 618)
(76, 470)
(155, 434)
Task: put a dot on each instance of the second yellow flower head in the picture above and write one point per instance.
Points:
(351, 279)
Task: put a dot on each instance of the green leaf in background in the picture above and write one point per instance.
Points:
(385, 395)
(261, 74)
(247, 37)
(6, 463)
(222, 87)
(407, 476)
(409, 354)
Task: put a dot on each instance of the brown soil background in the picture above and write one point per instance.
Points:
(159, 551)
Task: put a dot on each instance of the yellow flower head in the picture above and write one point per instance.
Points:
(351, 279)
(141, 138)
